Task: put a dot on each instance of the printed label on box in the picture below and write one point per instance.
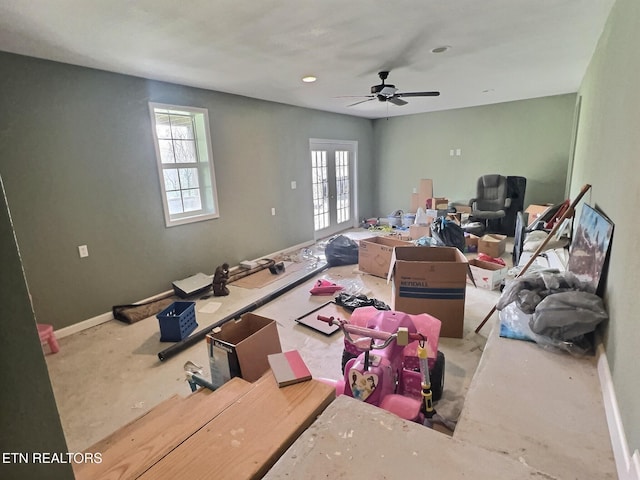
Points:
(223, 362)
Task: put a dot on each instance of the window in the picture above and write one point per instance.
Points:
(185, 163)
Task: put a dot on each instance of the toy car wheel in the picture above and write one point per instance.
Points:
(346, 356)
(436, 375)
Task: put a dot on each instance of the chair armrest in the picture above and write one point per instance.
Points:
(472, 201)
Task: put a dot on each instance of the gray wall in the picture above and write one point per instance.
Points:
(77, 158)
(529, 138)
(29, 419)
(607, 157)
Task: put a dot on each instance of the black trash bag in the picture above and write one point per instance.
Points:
(351, 302)
(341, 250)
(448, 233)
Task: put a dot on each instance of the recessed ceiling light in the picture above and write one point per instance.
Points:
(441, 49)
(309, 79)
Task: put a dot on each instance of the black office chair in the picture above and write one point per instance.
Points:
(491, 200)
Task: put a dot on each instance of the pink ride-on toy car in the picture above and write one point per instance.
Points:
(380, 361)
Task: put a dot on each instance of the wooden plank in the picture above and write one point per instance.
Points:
(125, 432)
(141, 444)
(246, 439)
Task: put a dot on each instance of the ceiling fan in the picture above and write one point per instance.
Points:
(389, 93)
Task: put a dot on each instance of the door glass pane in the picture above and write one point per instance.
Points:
(320, 189)
(343, 195)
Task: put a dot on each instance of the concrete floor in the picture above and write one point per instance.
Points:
(108, 375)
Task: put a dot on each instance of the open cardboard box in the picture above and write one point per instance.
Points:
(239, 348)
(374, 254)
(492, 244)
(430, 280)
(487, 275)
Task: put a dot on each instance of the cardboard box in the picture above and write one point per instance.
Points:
(437, 203)
(471, 242)
(431, 280)
(492, 244)
(374, 254)
(239, 348)
(416, 232)
(460, 208)
(487, 275)
(535, 211)
(425, 190)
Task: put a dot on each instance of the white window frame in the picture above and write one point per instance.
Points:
(204, 165)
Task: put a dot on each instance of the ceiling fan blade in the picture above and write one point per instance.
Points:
(361, 101)
(396, 101)
(418, 94)
(354, 96)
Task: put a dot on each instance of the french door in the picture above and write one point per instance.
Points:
(333, 186)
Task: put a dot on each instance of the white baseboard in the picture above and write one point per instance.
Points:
(628, 465)
(80, 326)
(105, 317)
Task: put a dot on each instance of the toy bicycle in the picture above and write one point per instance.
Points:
(388, 360)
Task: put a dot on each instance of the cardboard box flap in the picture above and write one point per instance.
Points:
(431, 280)
(490, 273)
(484, 265)
(253, 338)
(374, 254)
(435, 255)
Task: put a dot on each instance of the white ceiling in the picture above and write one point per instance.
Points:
(501, 50)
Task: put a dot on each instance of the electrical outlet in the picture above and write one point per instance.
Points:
(83, 250)
(458, 152)
(273, 211)
(294, 185)
(451, 152)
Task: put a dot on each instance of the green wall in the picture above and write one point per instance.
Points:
(608, 157)
(77, 158)
(528, 138)
(29, 421)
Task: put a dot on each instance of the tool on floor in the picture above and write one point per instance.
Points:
(193, 372)
(567, 214)
(431, 417)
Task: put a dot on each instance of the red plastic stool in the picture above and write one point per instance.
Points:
(47, 336)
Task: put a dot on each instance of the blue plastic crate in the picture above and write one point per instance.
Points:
(177, 321)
